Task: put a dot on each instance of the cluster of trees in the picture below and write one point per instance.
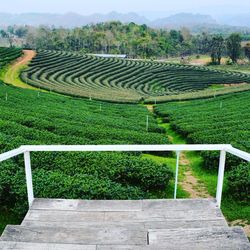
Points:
(131, 39)
(247, 50)
(14, 32)
(230, 46)
(114, 38)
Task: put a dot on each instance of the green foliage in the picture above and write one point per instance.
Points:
(239, 182)
(217, 49)
(7, 55)
(137, 41)
(120, 80)
(234, 46)
(27, 118)
(247, 50)
(217, 120)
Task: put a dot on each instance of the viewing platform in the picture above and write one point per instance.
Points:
(105, 225)
(60, 224)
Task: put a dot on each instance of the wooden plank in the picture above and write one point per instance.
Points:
(64, 216)
(4, 245)
(8, 245)
(85, 225)
(179, 204)
(167, 224)
(159, 215)
(116, 236)
(213, 245)
(129, 216)
(87, 205)
(171, 236)
(174, 224)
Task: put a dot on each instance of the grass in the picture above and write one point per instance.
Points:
(172, 135)
(245, 68)
(232, 209)
(10, 75)
(209, 178)
(170, 161)
(235, 210)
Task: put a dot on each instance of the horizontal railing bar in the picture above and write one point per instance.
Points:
(239, 153)
(10, 154)
(125, 148)
(129, 148)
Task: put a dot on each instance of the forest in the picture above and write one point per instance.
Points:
(136, 41)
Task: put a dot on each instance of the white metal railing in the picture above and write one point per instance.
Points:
(223, 148)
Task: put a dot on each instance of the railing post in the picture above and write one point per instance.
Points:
(220, 177)
(28, 174)
(176, 173)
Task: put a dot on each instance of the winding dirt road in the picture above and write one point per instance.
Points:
(12, 74)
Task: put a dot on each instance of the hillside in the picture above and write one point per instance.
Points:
(27, 118)
(120, 80)
(8, 54)
(42, 117)
(189, 20)
(180, 20)
(67, 20)
(219, 120)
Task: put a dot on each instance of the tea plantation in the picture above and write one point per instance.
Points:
(120, 80)
(30, 117)
(8, 54)
(224, 119)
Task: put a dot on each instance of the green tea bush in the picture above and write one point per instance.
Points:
(26, 119)
(219, 120)
(8, 55)
(239, 182)
(120, 80)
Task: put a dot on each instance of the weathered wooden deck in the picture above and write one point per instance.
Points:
(123, 225)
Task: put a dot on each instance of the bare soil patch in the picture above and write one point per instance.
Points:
(12, 74)
(235, 84)
(191, 184)
(28, 55)
(150, 108)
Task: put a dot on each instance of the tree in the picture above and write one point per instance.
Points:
(234, 47)
(21, 32)
(186, 34)
(8, 36)
(247, 50)
(217, 47)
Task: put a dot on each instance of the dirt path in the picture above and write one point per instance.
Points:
(190, 183)
(28, 55)
(12, 74)
(150, 108)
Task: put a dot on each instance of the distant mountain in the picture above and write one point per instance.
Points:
(195, 22)
(183, 19)
(68, 20)
(237, 20)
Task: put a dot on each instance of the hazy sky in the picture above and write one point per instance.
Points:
(140, 6)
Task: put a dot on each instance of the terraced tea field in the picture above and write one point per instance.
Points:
(224, 119)
(120, 80)
(8, 54)
(28, 119)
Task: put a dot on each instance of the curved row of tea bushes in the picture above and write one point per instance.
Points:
(220, 120)
(120, 80)
(7, 55)
(28, 118)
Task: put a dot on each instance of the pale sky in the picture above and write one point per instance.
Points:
(87, 7)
